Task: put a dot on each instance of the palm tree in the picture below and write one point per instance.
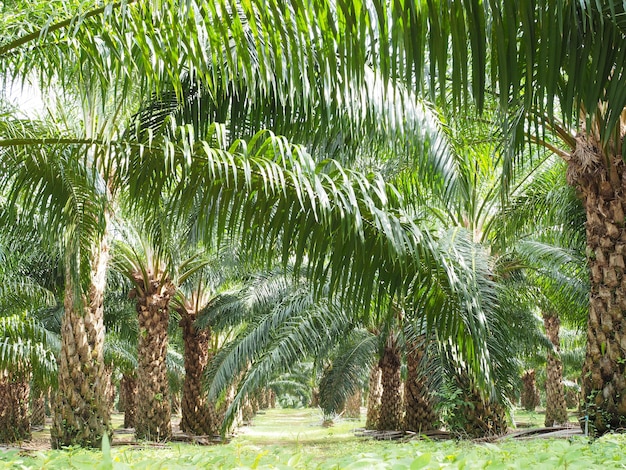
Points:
(419, 403)
(200, 293)
(548, 60)
(554, 265)
(153, 288)
(95, 72)
(26, 353)
(595, 40)
(28, 339)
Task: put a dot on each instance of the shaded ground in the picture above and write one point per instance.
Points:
(294, 428)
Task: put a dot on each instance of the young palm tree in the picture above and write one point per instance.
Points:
(198, 294)
(153, 288)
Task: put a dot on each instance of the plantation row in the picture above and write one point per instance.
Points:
(214, 205)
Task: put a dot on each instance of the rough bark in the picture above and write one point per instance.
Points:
(229, 398)
(352, 407)
(271, 399)
(81, 411)
(530, 394)
(419, 410)
(476, 416)
(390, 417)
(556, 408)
(198, 414)
(373, 398)
(315, 398)
(247, 410)
(128, 394)
(14, 399)
(110, 386)
(600, 177)
(37, 407)
(154, 415)
(175, 400)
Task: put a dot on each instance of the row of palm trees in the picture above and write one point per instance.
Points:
(140, 84)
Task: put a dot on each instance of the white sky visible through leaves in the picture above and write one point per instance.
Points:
(27, 98)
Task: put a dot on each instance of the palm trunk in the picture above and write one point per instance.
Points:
(390, 417)
(14, 415)
(353, 405)
(420, 413)
(476, 416)
(37, 408)
(81, 411)
(154, 413)
(556, 408)
(128, 390)
(264, 398)
(198, 414)
(373, 398)
(110, 386)
(601, 180)
(530, 394)
(247, 410)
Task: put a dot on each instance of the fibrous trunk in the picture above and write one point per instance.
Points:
(247, 409)
(154, 415)
(128, 394)
(352, 408)
(81, 411)
(530, 395)
(263, 397)
(373, 398)
(556, 408)
(14, 415)
(419, 410)
(271, 403)
(600, 177)
(476, 416)
(390, 417)
(198, 414)
(37, 407)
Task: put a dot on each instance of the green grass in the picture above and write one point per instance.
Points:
(535, 419)
(284, 439)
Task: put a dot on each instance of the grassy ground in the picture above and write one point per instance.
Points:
(295, 439)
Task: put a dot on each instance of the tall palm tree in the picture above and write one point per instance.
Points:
(548, 60)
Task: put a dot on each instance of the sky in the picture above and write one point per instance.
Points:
(27, 98)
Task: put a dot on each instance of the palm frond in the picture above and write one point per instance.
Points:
(351, 363)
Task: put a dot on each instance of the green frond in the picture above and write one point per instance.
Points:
(26, 345)
(350, 365)
(120, 352)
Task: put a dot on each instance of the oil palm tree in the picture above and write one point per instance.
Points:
(518, 40)
(153, 288)
(29, 338)
(29, 47)
(553, 261)
(556, 66)
(201, 291)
